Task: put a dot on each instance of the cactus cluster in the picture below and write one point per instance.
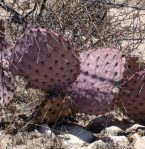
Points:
(51, 63)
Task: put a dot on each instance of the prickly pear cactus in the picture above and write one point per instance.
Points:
(101, 69)
(52, 110)
(46, 59)
(131, 98)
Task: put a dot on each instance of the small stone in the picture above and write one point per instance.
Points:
(72, 142)
(36, 134)
(112, 119)
(44, 128)
(111, 131)
(99, 123)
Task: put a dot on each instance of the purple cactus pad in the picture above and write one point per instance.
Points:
(46, 59)
(131, 98)
(93, 90)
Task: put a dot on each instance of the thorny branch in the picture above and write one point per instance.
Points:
(113, 4)
(42, 8)
(90, 23)
(16, 17)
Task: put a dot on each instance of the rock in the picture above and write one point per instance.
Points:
(133, 137)
(119, 142)
(75, 137)
(135, 127)
(141, 132)
(140, 143)
(111, 142)
(70, 141)
(79, 132)
(97, 145)
(134, 131)
(112, 131)
(111, 119)
(99, 123)
(45, 130)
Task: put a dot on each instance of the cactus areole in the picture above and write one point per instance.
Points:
(100, 70)
(46, 59)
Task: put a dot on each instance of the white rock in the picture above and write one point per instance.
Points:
(97, 145)
(43, 128)
(134, 128)
(111, 142)
(133, 137)
(111, 131)
(140, 143)
(116, 141)
(72, 142)
(121, 140)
